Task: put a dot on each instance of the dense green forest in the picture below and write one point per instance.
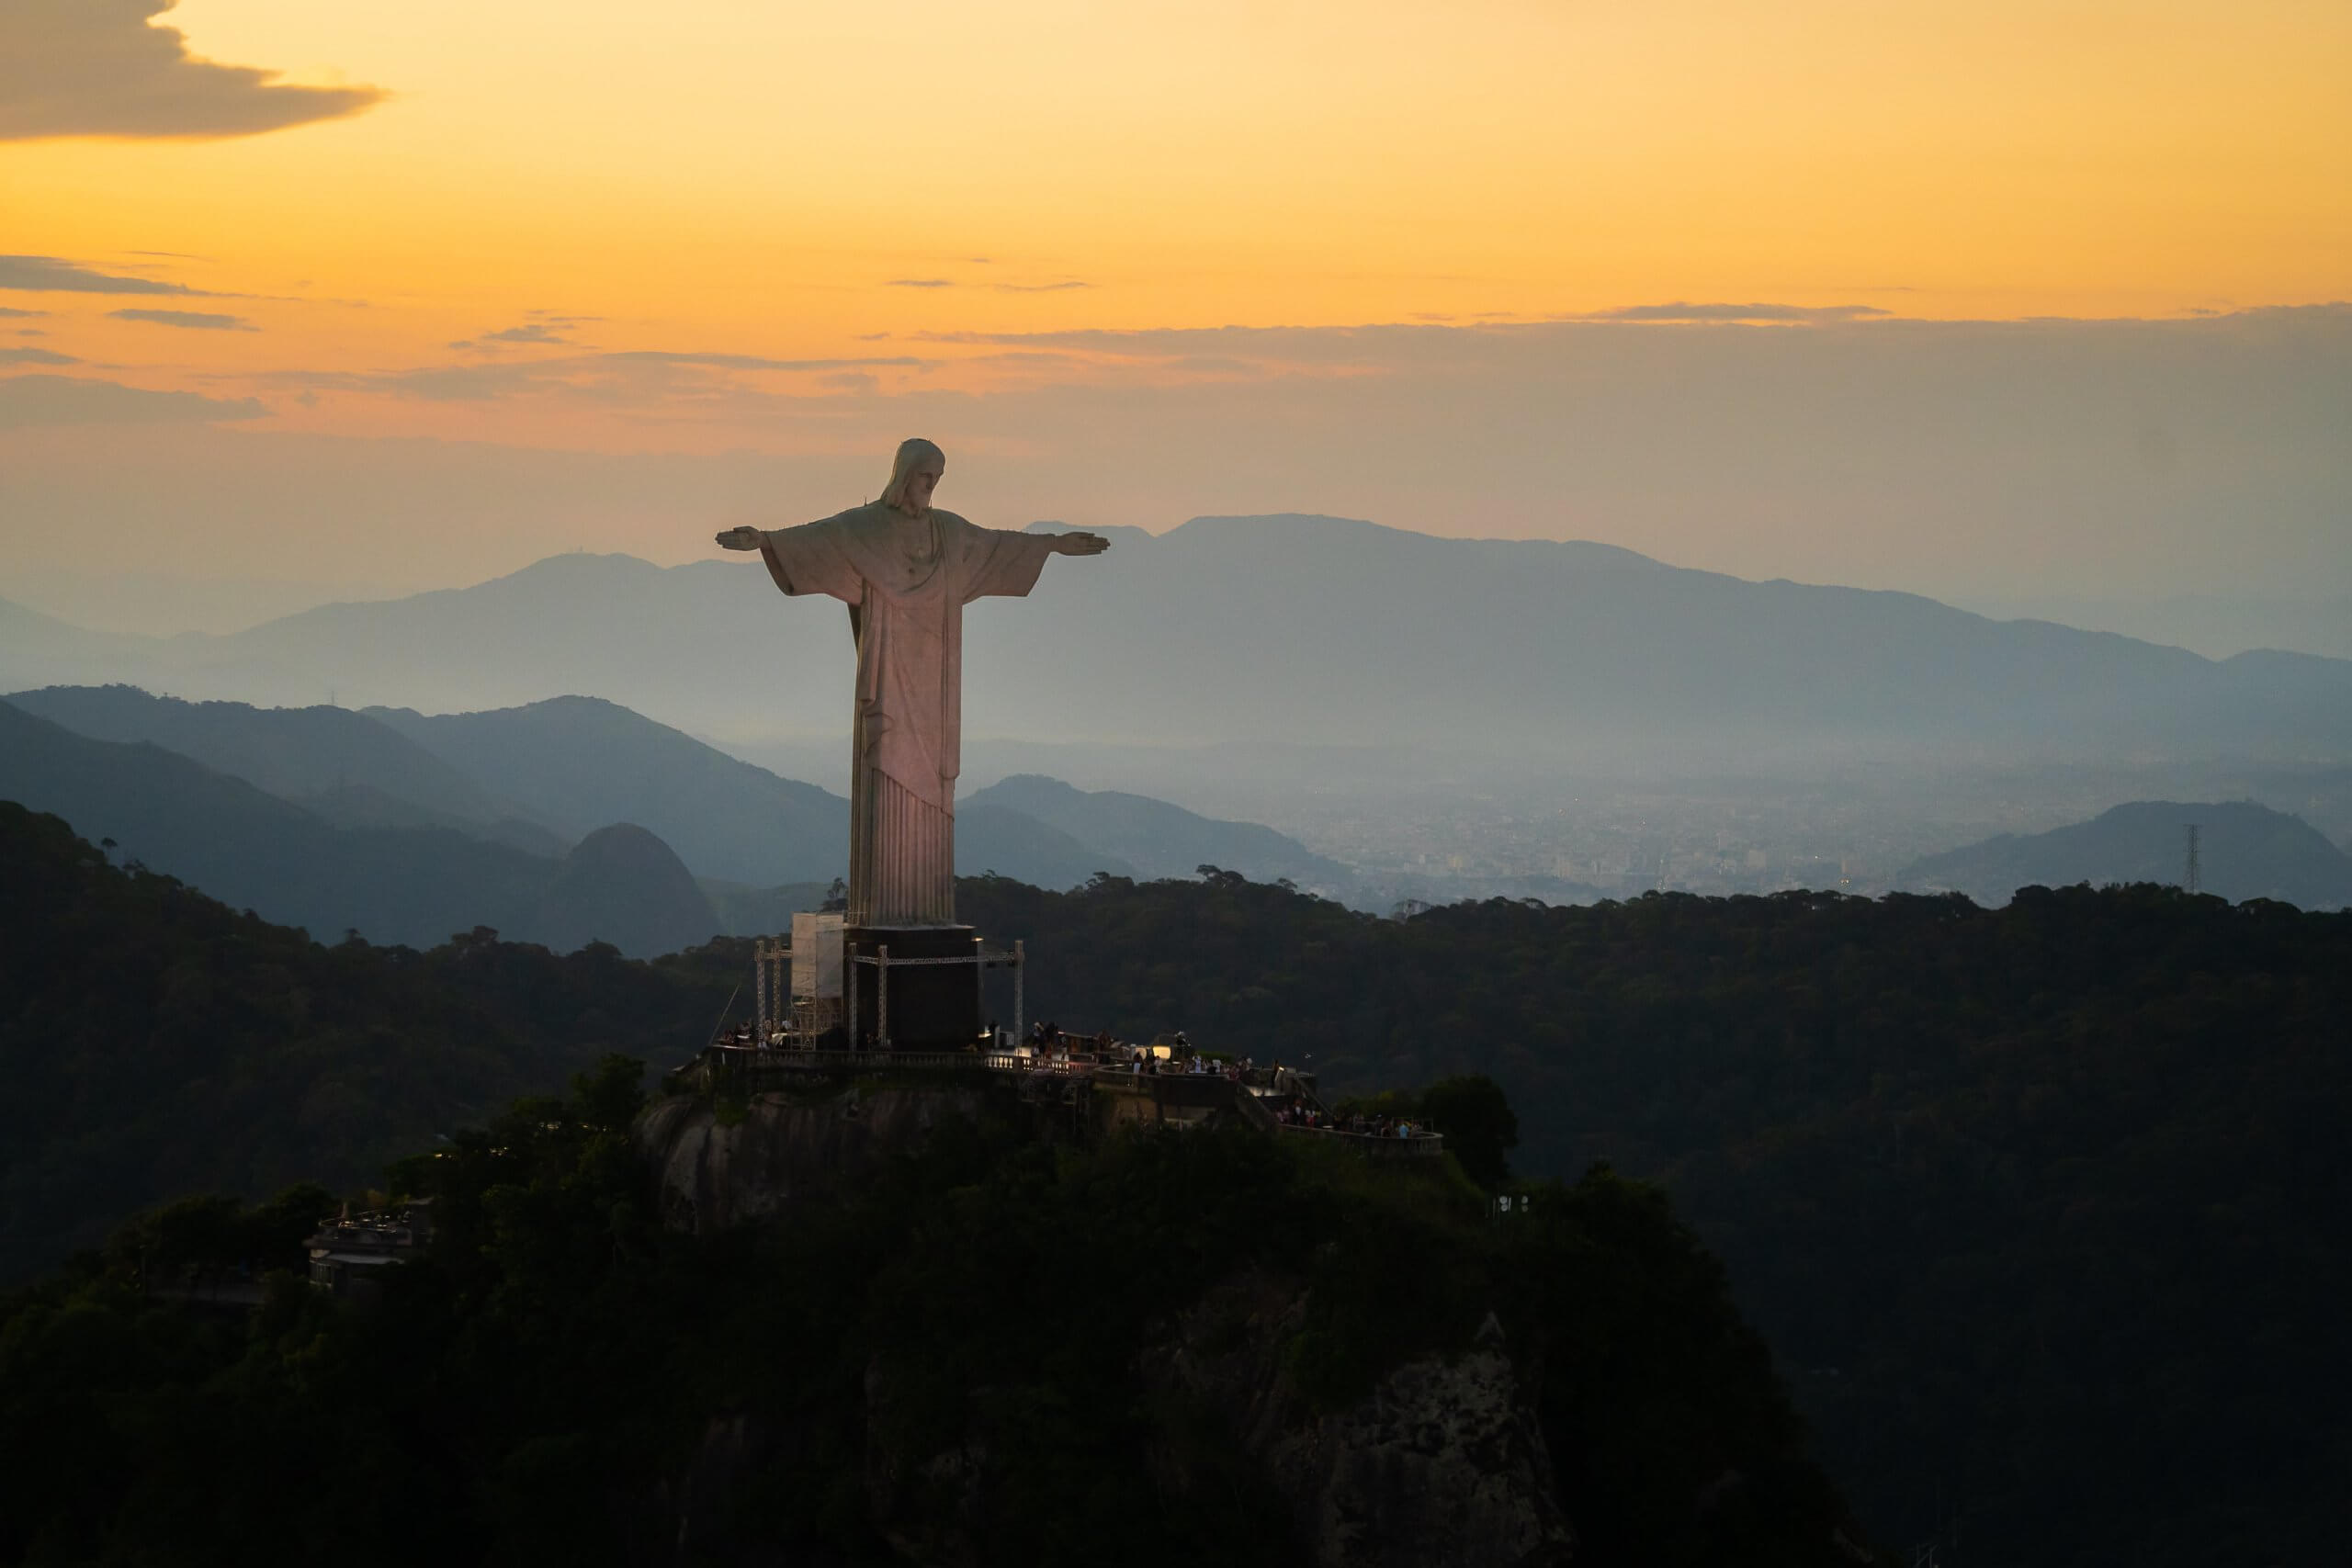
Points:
(2046, 1211)
(156, 1044)
(560, 1380)
(2043, 1210)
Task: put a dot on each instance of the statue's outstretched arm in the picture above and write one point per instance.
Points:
(740, 539)
(1079, 544)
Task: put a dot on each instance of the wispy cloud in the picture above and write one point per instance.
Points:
(197, 321)
(650, 376)
(547, 327)
(12, 310)
(918, 283)
(1681, 310)
(97, 68)
(54, 275)
(529, 331)
(35, 356)
(1041, 288)
(74, 400)
(752, 362)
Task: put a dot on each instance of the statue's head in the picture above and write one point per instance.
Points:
(913, 473)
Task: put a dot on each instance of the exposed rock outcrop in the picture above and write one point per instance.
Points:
(1443, 1463)
(718, 1168)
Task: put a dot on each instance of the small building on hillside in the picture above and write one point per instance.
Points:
(349, 1255)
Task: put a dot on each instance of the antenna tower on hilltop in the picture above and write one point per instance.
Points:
(2196, 866)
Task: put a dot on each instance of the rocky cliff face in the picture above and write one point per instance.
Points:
(718, 1170)
(1443, 1463)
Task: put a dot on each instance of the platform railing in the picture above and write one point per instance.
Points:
(1408, 1144)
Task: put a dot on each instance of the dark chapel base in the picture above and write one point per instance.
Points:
(933, 1007)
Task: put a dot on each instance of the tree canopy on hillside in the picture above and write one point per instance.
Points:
(155, 1043)
(2047, 1209)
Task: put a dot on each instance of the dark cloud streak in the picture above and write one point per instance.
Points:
(74, 400)
(54, 275)
(195, 321)
(612, 378)
(1683, 311)
(530, 332)
(96, 68)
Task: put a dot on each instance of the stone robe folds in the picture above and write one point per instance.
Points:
(906, 581)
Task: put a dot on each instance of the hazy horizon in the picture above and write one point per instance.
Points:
(301, 307)
(161, 604)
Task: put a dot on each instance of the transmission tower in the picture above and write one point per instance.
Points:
(2196, 866)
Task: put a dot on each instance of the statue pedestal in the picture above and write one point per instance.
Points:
(912, 988)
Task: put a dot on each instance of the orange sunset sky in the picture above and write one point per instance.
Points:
(243, 233)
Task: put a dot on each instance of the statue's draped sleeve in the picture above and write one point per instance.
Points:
(996, 560)
(811, 559)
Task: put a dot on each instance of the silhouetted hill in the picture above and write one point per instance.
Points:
(2247, 851)
(155, 1043)
(1298, 629)
(1155, 838)
(623, 885)
(582, 763)
(251, 850)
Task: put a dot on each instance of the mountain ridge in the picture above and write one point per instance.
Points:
(1294, 626)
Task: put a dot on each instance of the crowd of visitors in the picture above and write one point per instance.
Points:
(1298, 1111)
(1049, 1046)
(1048, 1043)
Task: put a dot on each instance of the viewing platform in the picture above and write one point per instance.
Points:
(821, 1013)
(1278, 1100)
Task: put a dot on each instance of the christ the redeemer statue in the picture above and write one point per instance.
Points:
(905, 571)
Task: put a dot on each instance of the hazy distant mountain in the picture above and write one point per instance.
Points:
(2245, 852)
(1158, 838)
(1294, 629)
(994, 837)
(298, 754)
(411, 885)
(761, 911)
(624, 886)
(364, 805)
(582, 763)
(251, 850)
(577, 762)
(38, 650)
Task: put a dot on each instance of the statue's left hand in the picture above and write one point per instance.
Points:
(1080, 544)
(741, 539)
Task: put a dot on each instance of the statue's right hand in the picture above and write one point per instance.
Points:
(740, 539)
